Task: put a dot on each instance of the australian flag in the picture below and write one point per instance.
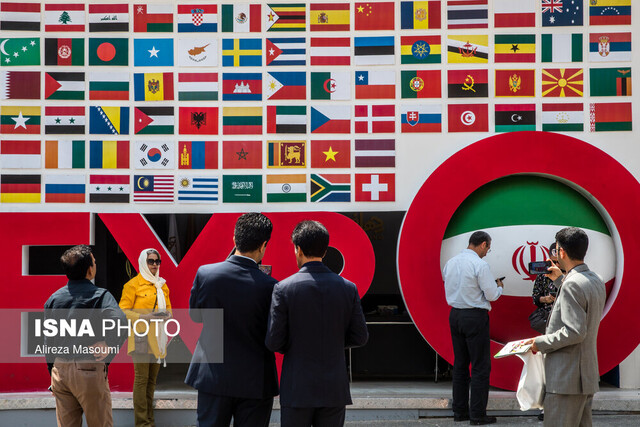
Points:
(562, 13)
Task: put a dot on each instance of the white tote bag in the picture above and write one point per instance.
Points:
(530, 392)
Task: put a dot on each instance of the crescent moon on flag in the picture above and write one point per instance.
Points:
(327, 85)
(138, 183)
(514, 118)
(4, 52)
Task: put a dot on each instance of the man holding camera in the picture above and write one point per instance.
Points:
(469, 288)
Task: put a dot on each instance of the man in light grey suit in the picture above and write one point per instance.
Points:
(569, 345)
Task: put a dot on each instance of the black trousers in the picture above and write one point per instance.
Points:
(307, 417)
(470, 337)
(216, 411)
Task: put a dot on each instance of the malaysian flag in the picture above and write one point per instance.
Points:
(153, 188)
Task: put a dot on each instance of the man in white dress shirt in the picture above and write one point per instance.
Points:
(469, 287)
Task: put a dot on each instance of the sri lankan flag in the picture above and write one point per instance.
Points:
(285, 17)
(20, 188)
(562, 82)
(515, 47)
(19, 120)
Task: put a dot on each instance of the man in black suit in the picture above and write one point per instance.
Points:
(315, 314)
(243, 385)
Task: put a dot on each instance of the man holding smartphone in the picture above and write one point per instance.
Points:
(469, 287)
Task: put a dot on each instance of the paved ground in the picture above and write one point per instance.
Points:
(598, 421)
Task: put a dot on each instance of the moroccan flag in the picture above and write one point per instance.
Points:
(285, 17)
(329, 16)
(108, 120)
(197, 18)
(240, 18)
(109, 18)
(63, 17)
(20, 188)
(375, 187)
(63, 86)
(421, 118)
(467, 14)
(516, 14)
(198, 120)
(19, 84)
(64, 52)
(333, 154)
(286, 188)
(610, 12)
(19, 120)
(374, 16)
(515, 47)
(561, 82)
(64, 154)
(286, 154)
(610, 81)
(420, 84)
(152, 18)
(242, 120)
(153, 120)
(20, 154)
(515, 117)
(242, 188)
(108, 51)
(330, 187)
(19, 16)
(330, 85)
(420, 15)
(561, 48)
(330, 119)
(198, 86)
(242, 86)
(64, 189)
(420, 50)
(18, 52)
(375, 153)
(607, 117)
(64, 120)
(153, 86)
(468, 118)
(109, 188)
(109, 154)
(198, 155)
(242, 154)
(375, 84)
(330, 51)
(468, 83)
(605, 47)
(562, 117)
(515, 83)
(286, 119)
(375, 118)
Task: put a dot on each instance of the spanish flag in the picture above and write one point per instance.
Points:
(329, 17)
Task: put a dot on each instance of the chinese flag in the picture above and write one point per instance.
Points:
(374, 16)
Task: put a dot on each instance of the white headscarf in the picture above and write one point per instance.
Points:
(158, 282)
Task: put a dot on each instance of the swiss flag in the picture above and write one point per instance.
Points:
(375, 118)
(375, 187)
(468, 118)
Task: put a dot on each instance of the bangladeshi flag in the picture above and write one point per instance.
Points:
(198, 120)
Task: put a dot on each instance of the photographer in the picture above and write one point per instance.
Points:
(544, 295)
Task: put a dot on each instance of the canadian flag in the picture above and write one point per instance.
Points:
(375, 118)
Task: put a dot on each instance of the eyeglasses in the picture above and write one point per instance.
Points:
(554, 252)
(151, 261)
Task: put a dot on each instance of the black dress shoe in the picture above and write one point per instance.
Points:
(483, 421)
(460, 417)
(541, 417)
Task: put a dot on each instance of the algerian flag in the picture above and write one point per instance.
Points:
(334, 85)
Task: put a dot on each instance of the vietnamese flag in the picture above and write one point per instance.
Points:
(468, 118)
(374, 16)
(331, 153)
(242, 154)
(198, 121)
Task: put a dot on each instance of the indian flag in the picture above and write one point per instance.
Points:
(522, 214)
(287, 188)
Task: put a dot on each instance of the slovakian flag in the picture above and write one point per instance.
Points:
(63, 51)
(420, 84)
(240, 18)
(610, 12)
(515, 83)
(375, 187)
(242, 154)
(515, 48)
(375, 84)
(20, 154)
(242, 86)
(198, 86)
(421, 118)
(64, 120)
(516, 14)
(197, 18)
(562, 82)
(63, 17)
(330, 51)
(374, 16)
(375, 153)
(198, 155)
(19, 119)
(108, 17)
(567, 117)
(515, 117)
(109, 188)
(330, 187)
(198, 120)
(113, 86)
(153, 86)
(286, 154)
(332, 154)
(468, 83)
(64, 189)
(609, 117)
(605, 47)
(66, 86)
(286, 85)
(286, 51)
(468, 118)
(329, 17)
(420, 50)
(153, 18)
(20, 188)
(286, 119)
(330, 119)
(375, 118)
(420, 15)
(19, 84)
(19, 16)
(109, 154)
(242, 120)
(467, 14)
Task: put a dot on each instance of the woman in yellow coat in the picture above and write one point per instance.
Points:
(146, 297)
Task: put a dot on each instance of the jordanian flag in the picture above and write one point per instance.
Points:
(522, 228)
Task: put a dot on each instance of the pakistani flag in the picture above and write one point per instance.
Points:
(522, 214)
(16, 52)
(333, 85)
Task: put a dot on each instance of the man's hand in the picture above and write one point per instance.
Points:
(499, 283)
(548, 299)
(534, 347)
(101, 350)
(554, 271)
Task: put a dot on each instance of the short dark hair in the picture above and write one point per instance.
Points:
(76, 261)
(312, 237)
(552, 247)
(574, 241)
(479, 237)
(252, 230)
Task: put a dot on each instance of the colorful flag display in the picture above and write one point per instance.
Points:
(610, 12)
(153, 120)
(420, 50)
(286, 188)
(109, 188)
(197, 18)
(286, 85)
(609, 117)
(19, 16)
(64, 17)
(198, 189)
(64, 86)
(154, 155)
(468, 118)
(420, 84)
(197, 52)
(64, 52)
(375, 187)
(467, 14)
(562, 117)
(109, 86)
(421, 118)
(374, 16)
(240, 18)
(330, 51)
(562, 82)
(374, 50)
(330, 85)
(285, 51)
(19, 120)
(375, 118)
(198, 86)
(285, 17)
(610, 81)
(64, 189)
(19, 84)
(561, 48)
(286, 119)
(330, 119)
(515, 48)
(20, 188)
(152, 52)
(153, 18)
(515, 117)
(109, 154)
(153, 86)
(198, 120)
(108, 18)
(242, 154)
(329, 17)
(286, 154)
(330, 187)
(605, 47)
(198, 155)
(420, 15)
(467, 49)
(64, 154)
(18, 52)
(242, 120)
(242, 86)
(20, 155)
(111, 51)
(375, 84)
(515, 83)
(153, 188)
(105, 120)
(330, 154)
(515, 14)
(468, 83)
(64, 120)
(562, 13)
(242, 189)
(241, 52)
(375, 153)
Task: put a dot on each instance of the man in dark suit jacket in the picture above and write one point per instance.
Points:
(315, 314)
(243, 385)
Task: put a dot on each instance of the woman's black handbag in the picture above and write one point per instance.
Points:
(538, 320)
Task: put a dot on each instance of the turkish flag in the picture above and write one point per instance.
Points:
(468, 118)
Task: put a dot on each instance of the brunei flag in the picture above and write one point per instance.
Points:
(20, 188)
(109, 154)
(19, 120)
(472, 49)
(420, 15)
(330, 187)
(285, 17)
(153, 86)
(515, 47)
(242, 120)
(329, 17)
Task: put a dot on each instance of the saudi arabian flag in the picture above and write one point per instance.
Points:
(522, 215)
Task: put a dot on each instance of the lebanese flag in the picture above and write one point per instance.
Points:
(375, 118)
(468, 118)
